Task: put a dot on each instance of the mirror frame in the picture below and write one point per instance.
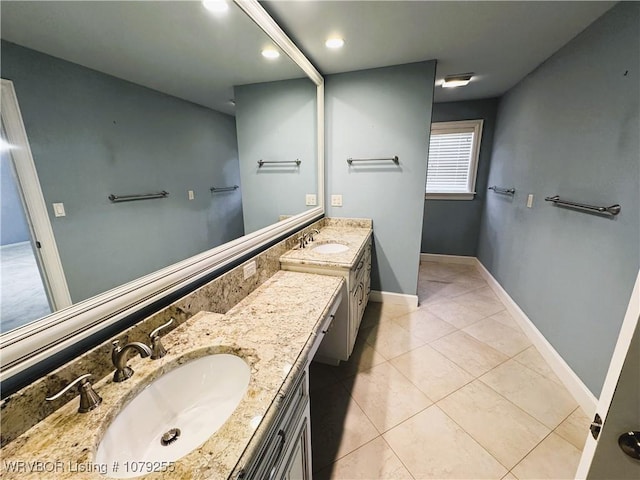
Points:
(29, 345)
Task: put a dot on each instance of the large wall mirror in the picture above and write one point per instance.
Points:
(166, 139)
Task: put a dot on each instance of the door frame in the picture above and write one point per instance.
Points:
(631, 320)
(55, 282)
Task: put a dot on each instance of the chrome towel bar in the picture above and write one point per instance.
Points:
(505, 191)
(264, 162)
(395, 160)
(613, 210)
(130, 198)
(224, 189)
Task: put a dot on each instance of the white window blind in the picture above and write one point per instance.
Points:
(452, 164)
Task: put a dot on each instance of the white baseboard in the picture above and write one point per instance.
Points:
(571, 381)
(394, 298)
(435, 257)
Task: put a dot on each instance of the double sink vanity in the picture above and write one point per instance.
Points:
(229, 399)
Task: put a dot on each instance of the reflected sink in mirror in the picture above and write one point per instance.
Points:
(175, 414)
(329, 248)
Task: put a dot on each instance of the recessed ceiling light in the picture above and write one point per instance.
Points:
(458, 80)
(270, 53)
(216, 6)
(334, 43)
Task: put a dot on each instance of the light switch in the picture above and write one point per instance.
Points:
(530, 200)
(310, 199)
(58, 210)
(336, 200)
(191, 195)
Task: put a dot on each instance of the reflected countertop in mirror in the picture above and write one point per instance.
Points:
(128, 98)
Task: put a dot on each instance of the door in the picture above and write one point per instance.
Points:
(23, 296)
(48, 265)
(619, 408)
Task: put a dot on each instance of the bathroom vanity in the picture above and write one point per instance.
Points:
(324, 256)
(275, 330)
(275, 323)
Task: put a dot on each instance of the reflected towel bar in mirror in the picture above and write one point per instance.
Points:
(613, 210)
(264, 162)
(395, 160)
(505, 191)
(224, 189)
(144, 196)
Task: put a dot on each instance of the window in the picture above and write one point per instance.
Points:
(453, 160)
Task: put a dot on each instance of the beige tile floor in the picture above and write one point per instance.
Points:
(450, 390)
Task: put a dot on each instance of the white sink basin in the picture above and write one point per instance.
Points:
(330, 248)
(195, 398)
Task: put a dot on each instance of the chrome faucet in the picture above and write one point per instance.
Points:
(303, 240)
(119, 358)
(89, 399)
(157, 349)
(307, 238)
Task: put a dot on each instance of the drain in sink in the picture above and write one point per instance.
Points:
(169, 437)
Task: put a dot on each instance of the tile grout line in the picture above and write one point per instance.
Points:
(398, 457)
(391, 318)
(391, 428)
(335, 459)
(478, 378)
(510, 357)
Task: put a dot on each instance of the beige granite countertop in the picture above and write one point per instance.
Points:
(353, 236)
(272, 329)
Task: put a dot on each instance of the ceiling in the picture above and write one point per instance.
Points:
(175, 47)
(500, 41)
(178, 48)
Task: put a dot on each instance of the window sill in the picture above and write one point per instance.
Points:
(450, 196)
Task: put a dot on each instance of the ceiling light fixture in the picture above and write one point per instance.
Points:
(334, 43)
(270, 53)
(457, 80)
(216, 6)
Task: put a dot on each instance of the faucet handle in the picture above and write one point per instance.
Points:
(311, 233)
(115, 350)
(89, 399)
(157, 349)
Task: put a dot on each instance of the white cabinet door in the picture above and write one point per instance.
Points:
(298, 467)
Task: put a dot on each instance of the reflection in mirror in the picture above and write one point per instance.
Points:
(134, 98)
(23, 294)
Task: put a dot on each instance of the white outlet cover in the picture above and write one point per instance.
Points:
(249, 269)
(530, 200)
(58, 210)
(310, 199)
(336, 200)
(191, 195)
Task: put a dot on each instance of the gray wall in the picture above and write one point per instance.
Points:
(93, 135)
(13, 225)
(571, 128)
(452, 227)
(381, 113)
(276, 121)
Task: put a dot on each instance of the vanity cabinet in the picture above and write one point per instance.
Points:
(297, 466)
(340, 338)
(360, 288)
(285, 453)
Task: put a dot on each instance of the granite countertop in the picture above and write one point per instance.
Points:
(355, 237)
(272, 329)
